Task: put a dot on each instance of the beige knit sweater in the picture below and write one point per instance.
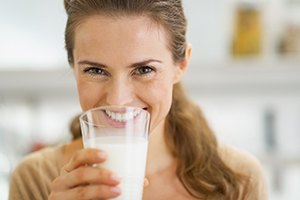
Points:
(32, 179)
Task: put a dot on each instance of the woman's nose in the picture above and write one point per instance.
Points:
(119, 93)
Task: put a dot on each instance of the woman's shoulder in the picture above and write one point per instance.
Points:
(248, 165)
(32, 177)
(48, 157)
(239, 159)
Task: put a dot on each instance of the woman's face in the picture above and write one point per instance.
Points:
(125, 61)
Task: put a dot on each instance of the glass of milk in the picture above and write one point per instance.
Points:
(122, 132)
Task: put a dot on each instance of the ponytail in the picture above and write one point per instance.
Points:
(199, 166)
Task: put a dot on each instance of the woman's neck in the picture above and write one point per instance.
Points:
(159, 157)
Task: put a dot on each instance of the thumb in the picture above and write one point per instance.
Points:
(146, 182)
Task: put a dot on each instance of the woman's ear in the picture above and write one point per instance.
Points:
(183, 65)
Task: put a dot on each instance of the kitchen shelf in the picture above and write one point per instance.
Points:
(245, 76)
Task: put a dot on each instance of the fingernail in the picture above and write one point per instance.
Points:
(102, 155)
(115, 177)
(116, 190)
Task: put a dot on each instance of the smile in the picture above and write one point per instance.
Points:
(122, 117)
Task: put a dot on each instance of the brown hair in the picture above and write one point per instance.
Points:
(200, 168)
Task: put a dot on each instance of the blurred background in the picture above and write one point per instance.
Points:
(244, 74)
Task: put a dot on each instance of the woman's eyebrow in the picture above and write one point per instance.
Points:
(86, 62)
(145, 62)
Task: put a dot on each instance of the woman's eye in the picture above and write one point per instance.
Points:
(143, 70)
(95, 71)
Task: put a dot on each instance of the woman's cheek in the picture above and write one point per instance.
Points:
(159, 98)
(89, 95)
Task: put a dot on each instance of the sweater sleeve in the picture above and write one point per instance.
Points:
(257, 183)
(246, 164)
(32, 178)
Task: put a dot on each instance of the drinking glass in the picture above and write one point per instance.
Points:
(121, 132)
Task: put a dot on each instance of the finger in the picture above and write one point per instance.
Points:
(146, 182)
(87, 156)
(88, 175)
(91, 192)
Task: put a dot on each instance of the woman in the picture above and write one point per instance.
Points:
(134, 53)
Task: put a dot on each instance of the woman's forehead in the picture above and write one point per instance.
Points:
(122, 37)
(127, 26)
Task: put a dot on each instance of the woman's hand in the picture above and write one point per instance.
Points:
(79, 180)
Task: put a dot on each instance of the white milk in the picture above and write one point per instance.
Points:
(126, 158)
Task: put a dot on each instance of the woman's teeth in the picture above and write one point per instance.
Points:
(122, 117)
